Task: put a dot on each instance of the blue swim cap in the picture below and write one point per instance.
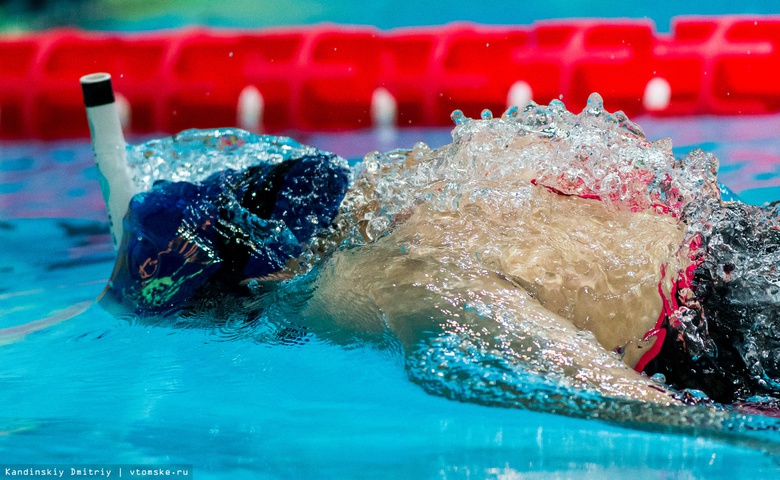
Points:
(234, 225)
(168, 249)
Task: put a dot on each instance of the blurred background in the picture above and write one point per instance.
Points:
(199, 82)
(135, 15)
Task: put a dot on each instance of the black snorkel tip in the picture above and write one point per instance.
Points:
(97, 89)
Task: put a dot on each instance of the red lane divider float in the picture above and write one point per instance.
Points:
(330, 77)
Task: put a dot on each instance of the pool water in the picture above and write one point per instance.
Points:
(79, 386)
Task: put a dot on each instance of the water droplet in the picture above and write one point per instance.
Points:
(695, 394)
(458, 118)
(511, 112)
(628, 125)
(530, 106)
(557, 106)
(595, 105)
(659, 378)
(486, 114)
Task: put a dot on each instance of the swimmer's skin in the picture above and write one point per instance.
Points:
(599, 268)
(417, 273)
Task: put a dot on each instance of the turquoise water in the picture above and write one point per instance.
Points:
(86, 387)
(134, 16)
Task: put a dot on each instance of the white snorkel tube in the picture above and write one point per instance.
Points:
(110, 148)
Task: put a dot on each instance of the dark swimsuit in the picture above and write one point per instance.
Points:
(729, 347)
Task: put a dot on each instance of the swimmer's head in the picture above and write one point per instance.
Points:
(167, 250)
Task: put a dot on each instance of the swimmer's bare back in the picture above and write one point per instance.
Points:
(556, 287)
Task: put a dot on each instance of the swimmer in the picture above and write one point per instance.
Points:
(550, 245)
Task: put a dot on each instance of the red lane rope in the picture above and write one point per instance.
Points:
(323, 77)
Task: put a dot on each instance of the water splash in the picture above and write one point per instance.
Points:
(498, 164)
(595, 154)
(194, 155)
